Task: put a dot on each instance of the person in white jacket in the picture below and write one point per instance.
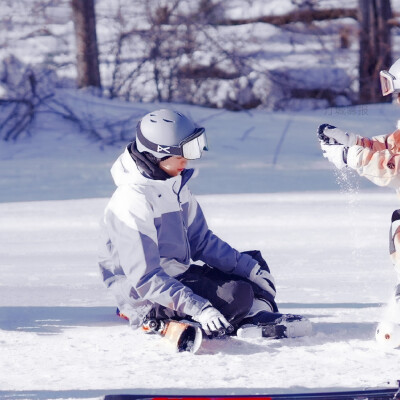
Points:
(377, 159)
(153, 228)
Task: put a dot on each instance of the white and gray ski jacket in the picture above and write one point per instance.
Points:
(151, 230)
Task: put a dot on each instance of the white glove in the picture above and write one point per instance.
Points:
(337, 136)
(335, 153)
(213, 322)
(263, 279)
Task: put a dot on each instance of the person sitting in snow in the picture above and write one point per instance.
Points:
(153, 228)
(377, 159)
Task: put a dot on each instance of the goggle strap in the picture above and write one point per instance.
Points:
(158, 148)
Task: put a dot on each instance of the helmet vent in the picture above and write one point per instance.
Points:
(152, 120)
(167, 120)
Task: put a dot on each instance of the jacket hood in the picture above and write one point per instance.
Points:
(125, 171)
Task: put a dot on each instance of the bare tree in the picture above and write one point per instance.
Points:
(196, 52)
(375, 47)
(25, 90)
(86, 43)
(177, 55)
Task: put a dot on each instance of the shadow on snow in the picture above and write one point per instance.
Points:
(55, 320)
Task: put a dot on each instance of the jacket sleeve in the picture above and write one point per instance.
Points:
(207, 247)
(133, 241)
(377, 159)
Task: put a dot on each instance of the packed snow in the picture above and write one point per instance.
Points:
(263, 185)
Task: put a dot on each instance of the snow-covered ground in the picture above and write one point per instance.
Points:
(264, 185)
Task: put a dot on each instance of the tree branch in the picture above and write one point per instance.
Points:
(305, 16)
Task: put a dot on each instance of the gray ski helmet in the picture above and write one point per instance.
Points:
(163, 132)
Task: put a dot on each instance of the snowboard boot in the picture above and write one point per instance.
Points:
(275, 326)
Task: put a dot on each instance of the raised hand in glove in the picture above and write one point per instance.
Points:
(213, 322)
(331, 135)
(263, 279)
(335, 153)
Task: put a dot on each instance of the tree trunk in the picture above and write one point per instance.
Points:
(375, 48)
(86, 43)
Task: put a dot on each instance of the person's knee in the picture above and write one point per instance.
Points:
(242, 297)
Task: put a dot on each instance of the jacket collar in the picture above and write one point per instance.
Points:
(125, 172)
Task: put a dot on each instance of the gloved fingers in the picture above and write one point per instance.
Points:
(219, 330)
(224, 322)
(269, 281)
(332, 135)
(269, 289)
(322, 135)
(206, 329)
(220, 326)
(267, 275)
(217, 326)
(329, 142)
(272, 286)
(262, 273)
(263, 279)
(212, 329)
(335, 135)
(265, 285)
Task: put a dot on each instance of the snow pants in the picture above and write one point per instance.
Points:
(230, 294)
(232, 297)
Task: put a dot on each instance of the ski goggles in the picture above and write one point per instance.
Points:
(193, 146)
(387, 82)
(190, 148)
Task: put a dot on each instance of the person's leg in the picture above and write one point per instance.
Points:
(388, 330)
(232, 297)
(394, 248)
(260, 293)
(263, 321)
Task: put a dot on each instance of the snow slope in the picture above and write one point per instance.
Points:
(323, 234)
(250, 152)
